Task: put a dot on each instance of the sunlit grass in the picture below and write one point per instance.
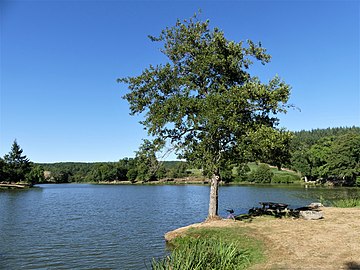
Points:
(347, 203)
(216, 248)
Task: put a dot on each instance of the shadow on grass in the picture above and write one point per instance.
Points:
(256, 212)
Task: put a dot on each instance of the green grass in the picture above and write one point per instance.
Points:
(347, 203)
(215, 248)
(279, 177)
(195, 172)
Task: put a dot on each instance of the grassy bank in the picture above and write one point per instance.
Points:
(284, 243)
(213, 248)
(347, 203)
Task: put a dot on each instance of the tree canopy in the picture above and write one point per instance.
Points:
(204, 100)
(328, 154)
(16, 167)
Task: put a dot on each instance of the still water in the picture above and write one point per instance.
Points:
(80, 226)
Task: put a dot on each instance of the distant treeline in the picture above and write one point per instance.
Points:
(322, 155)
(327, 155)
(127, 169)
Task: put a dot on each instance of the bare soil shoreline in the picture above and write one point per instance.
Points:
(329, 243)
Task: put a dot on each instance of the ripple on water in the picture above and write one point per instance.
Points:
(111, 227)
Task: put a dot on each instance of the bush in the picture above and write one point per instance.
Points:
(262, 174)
(285, 178)
(199, 253)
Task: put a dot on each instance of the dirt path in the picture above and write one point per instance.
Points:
(330, 243)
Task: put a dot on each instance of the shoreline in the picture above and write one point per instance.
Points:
(205, 183)
(328, 243)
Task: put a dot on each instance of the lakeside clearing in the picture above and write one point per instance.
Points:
(329, 243)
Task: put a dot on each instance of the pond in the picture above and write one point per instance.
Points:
(81, 226)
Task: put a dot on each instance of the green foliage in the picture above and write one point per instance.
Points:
(204, 254)
(308, 138)
(15, 166)
(131, 175)
(127, 169)
(3, 170)
(347, 203)
(36, 175)
(227, 174)
(242, 172)
(212, 249)
(262, 174)
(146, 162)
(62, 176)
(331, 154)
(300, 161)
(318, 154)
(357, 181)
(344, 157)
(196, 172)
(179, 170)
(272, 146)
(68, 171)
(203, 100)
(285, 178)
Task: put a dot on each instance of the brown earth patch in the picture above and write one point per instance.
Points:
(329, 243)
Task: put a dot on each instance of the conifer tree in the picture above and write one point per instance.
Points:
(17, 165)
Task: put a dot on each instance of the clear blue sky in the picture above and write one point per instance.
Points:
(60, 61)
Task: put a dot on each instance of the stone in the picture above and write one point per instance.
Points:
(311, 215)
(315, 205)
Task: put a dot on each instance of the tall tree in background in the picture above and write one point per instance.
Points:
(204, 100)
(146, 162)
(344, 158)
(331, 154)
(17, 165)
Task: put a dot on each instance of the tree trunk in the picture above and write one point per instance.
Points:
(214, 194)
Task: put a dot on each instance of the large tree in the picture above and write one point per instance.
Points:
(203, 100)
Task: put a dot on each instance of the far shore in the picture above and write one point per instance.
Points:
(196, 181)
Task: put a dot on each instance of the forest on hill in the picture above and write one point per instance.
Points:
(323, 155)
(327, 155)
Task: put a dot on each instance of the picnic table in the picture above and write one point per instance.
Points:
(272, 207)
